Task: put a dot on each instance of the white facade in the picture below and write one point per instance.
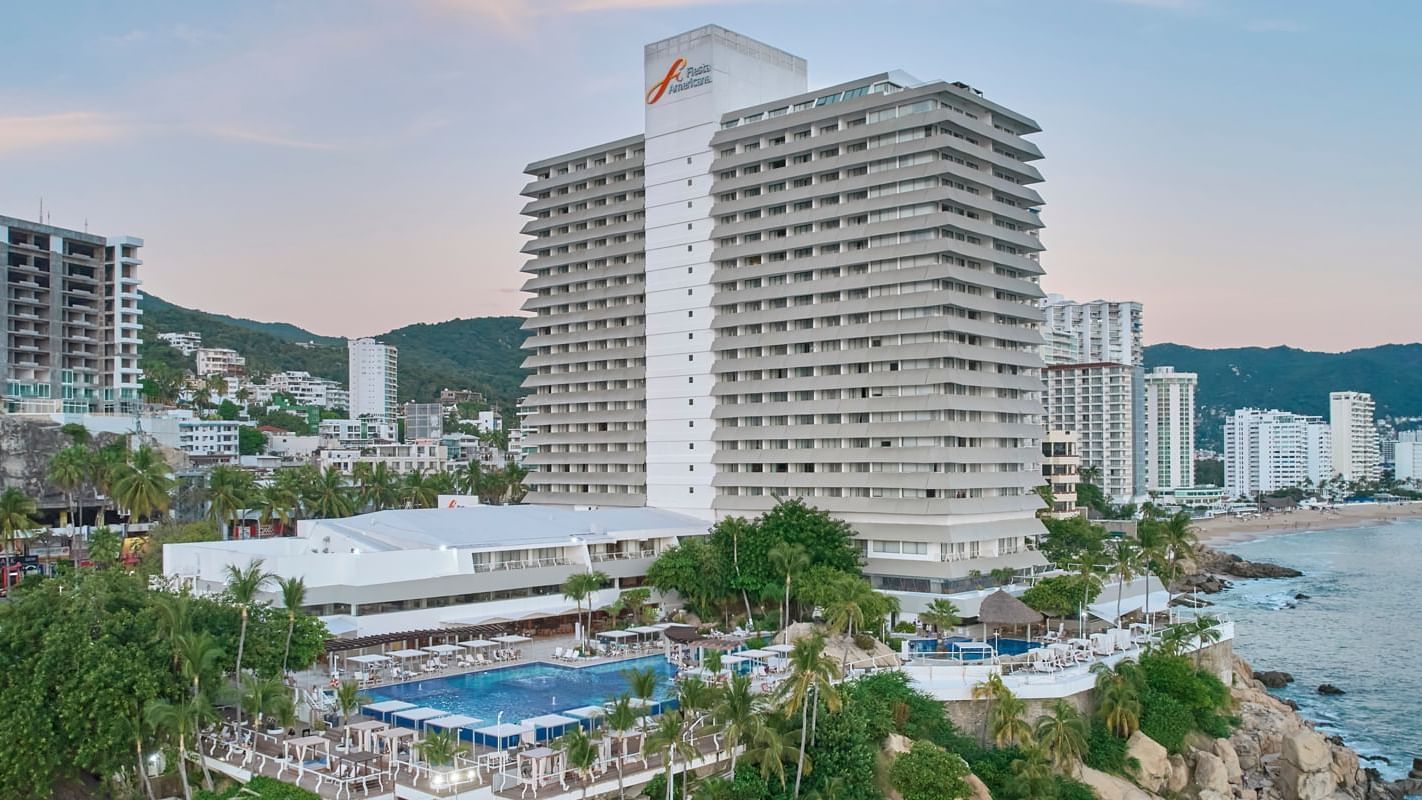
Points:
(347, 432)
(775, 293)
(1099, 403)
(405, 570)
(1407, 464)
(307, 390)
(208, 437)
(1266, 451)
(487, 421)
(186, 342)
(1097, 331)
(291, 446)
(1061, 472)
(1355, 437)
(219, 361)
(1170, 428)
(402, 459)
(374, 381)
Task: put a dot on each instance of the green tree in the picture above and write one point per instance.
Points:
(250, 441)
(1007, 722)
(16, 516)
(378, 487)
(738, 711)
(1118, 697)
(1032, 774)
(787, 559)
(69, 472)
(581, 752)
(928, 772)
(229, 492)
(143, 484)
(1062, 595)
(1125, 561)
(580, 586)
(263, 697)
(1063, 735)
(105, 467)
(988, 690)
(693, 570)
(439, 747)
(641, 682)
(620, 720)
(513, 478)
(771, 749)
(668, 737)
(348, 699)
(293, 597)
(327, 496)
(104, 548)
(181, 720)
(419, 490)
(243, 586)
(811, 682)
(941, 614)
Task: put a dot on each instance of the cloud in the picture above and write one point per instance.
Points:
(28, 132)
(273, 140)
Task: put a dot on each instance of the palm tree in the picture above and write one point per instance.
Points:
(513, 477)
(642, 683)
(174, 617)
(182, 721)
(293, 597)
(439, 747)
(987, 691)
(141, 735)
(1150, 540)
(16, 509)
(846, 611)
(695, 697)
(104, 548)
(198, 654)
(580, 586)
(243, 585)
(1062, 734)
(770, 749)
(379, 488)
(1008, 723)
(327, 496)
(1124, 560)
(419, 490)
(619, 720)
(69, 471)
(1118, 697)
(580, 750)
(261, 697)
(471, 479)
(668, 737)
(107, 464)
(1205, 632)
(787, 559)
(812, 675)
(274, 501)
(738, 712)
(143, 485)
(348, 699)
(229, 491)
(1033, 773)
(941, 614)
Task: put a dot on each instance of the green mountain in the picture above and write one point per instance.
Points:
(481, 354)
(1293, 380)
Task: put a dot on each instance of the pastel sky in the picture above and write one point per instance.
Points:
(1249, 169)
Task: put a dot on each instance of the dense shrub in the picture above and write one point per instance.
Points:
(265, 788)
(1105, 751)
(1165, 719)
(904, 626)
(1061, 596)
(1203, 698)
(928, 772)
(1068, 789)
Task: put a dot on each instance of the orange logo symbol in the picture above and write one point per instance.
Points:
(660, 87)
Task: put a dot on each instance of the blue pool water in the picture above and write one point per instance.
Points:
(1004, 647)
(526, 690)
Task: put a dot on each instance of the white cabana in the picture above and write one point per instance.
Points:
(780, 648)
(384, 709)
(443, 649)
(544, 766)
(647, 630)
(588, 715)
(734, 659)
(512, 638)
(1159, 603)
(617, 635)
(416, 717)
(405, 654)
(549, 726)
(368, 659)
(477, 643)
(501, 736)
(296, 749)
(458, 723)
(755, 655)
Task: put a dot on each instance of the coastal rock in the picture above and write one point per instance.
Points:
(1329, 689)
(1302, 596)
(897, 744)
(1153, 761)
(1179, 775)
(1306, 750)
(1110, 787)
(1210, 794)
(1273, 679)
(1210, 560)
(1345, 767)
(1230, 759)
(1297, 784)
(979, 789)
(1210, 774)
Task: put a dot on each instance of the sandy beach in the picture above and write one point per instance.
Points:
(1223, 530)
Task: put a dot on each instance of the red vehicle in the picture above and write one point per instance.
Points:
(12, 571)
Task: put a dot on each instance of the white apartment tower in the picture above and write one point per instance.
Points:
(1170, 428)
(71, 319)
(1099, 331)
(374, 383)
(1266, 451)
(1097, 403)
(1355, 438)
(776, 293)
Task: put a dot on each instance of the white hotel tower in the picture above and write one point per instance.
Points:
(774, 293)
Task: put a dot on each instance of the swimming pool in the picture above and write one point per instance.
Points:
(953, 645)
(526, 690)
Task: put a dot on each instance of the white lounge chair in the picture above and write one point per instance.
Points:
(557, 654)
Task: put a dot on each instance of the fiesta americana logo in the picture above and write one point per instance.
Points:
(679, 78)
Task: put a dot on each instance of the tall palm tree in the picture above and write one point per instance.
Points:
(293, 597)
(770, 749)
(620, 719)
(243, 585)
(143, 485)
(261, 697)
(812, 675)
(16, 510)
(142, 733)
(668, 737)
(229, 491)
(988, 690)
(941, 614)
(695, 698)
(642, 683)
(845, 612)
(1008, 723)
(181, 721)
(470, 479)
(580, 586)
(419, 490)
(1033, 773)
(738, 711)
(274, 502)
(1125, 560)
(327, 496)
(198, 655)
(580, 750)
(788, 560)
(69, 471)
(348, 699)
(174, 618)
(378, 487)
(1205, 632)
(513, 478)
(105, 468)
(1118, 697)
(1151, 541)
(1062, 734)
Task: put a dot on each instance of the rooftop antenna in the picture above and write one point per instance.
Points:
(41, 216)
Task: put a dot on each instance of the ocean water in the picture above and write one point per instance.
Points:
(1360, 629)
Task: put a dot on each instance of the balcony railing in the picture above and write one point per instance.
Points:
(628, 555)
(529, 563)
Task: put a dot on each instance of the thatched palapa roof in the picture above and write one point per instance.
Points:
(1001, 608)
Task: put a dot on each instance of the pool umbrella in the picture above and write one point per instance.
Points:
(1001, 608)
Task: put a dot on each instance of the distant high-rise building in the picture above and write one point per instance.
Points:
(1100, 403)
(1266, 451)
(374, 383)
(777, 293)
(71, 320)
(1407, 456)
(1355, 437)
(423, 421)
(1098, 331)
(1170, 428)
(1061, 467)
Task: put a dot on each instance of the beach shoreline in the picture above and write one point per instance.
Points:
(1233, 530)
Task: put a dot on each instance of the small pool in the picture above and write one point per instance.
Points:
(526, 690)
(951, 645)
